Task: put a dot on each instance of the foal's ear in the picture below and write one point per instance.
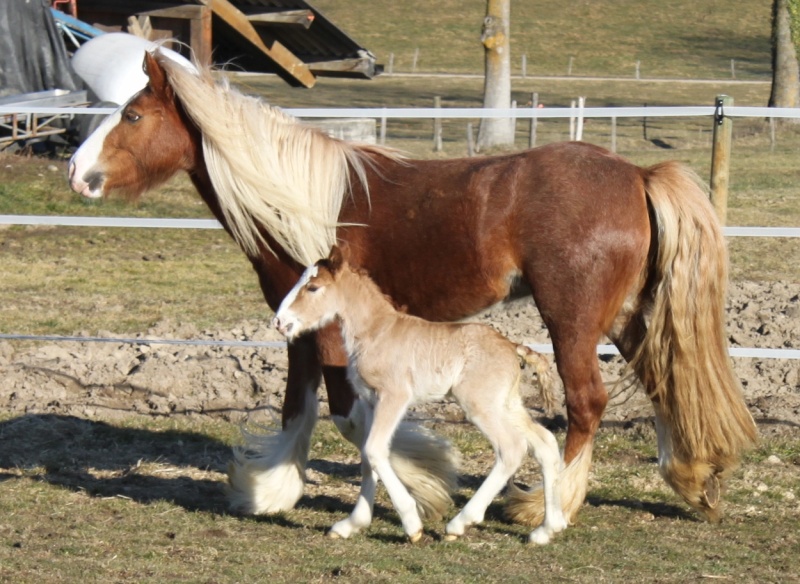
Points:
(335, 259)
(158, 77)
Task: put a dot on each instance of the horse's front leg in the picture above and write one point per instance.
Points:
(267, 474)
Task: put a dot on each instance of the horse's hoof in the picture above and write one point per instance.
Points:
(450, 537)
(334, 535)
(415, 537)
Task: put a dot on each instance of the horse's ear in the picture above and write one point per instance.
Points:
(158, 77)
(335, 259)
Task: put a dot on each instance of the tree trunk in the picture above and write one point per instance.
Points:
(785, 71)
(497, 80)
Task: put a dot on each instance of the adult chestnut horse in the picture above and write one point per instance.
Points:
(604, 247)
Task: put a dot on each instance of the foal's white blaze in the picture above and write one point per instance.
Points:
(85, 170)
(286, 321)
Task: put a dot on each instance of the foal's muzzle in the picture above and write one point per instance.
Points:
(284, 327)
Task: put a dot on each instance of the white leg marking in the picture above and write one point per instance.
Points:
(268, 473)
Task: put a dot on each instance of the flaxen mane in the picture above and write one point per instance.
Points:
(269, 170)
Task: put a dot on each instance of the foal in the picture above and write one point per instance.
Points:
(395, 359)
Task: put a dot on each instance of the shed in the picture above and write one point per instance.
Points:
(290, 38)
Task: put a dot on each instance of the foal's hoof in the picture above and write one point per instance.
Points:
(450, 537)
(415, 537)
(334, 535)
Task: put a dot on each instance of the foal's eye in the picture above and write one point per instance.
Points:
(312, 288)
(132, 117)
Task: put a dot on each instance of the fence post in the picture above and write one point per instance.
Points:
(382, 140)
(572, 120)
(721, 156)
(470, 140)
(532, 136)
(437, 126)
(614, 134)
(579, 126)
(513, 121)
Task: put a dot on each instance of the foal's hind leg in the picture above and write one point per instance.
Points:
(586, 398)
(487, 409)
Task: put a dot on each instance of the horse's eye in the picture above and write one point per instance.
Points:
(312, 288)
(132, 116)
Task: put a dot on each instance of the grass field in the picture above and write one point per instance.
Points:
(141, 500)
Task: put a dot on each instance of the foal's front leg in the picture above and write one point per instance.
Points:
(390, 407)
(361, 516)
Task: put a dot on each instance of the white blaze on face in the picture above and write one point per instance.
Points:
(285, 317)
(85, 170)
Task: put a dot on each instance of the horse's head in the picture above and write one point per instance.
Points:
(314, 301)
(139, 146)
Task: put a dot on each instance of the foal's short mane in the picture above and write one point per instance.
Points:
(269, 170)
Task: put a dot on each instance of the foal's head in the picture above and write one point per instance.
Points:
(139, 146)
(314, 301)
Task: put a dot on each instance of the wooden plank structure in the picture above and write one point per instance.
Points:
(288, 37)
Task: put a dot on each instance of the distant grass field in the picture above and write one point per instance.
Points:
(670, 38)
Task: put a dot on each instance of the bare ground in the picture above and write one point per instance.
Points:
(104, 381)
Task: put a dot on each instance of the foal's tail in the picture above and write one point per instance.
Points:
(543, 373)
(682, 360)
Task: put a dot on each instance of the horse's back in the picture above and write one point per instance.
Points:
(450, 237)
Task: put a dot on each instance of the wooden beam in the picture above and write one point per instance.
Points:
(200, 36)
(290, 63)
(302, 17)
(365, 66)
(184, 12)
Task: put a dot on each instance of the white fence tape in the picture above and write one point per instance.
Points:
(474, 113)
(214, 224)
(753, 353)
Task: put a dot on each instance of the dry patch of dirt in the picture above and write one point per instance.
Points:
(109, 380)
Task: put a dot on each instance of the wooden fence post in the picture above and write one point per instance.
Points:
(437, 126)
(470, 140)
(721, 156)
(532, 135)
(382, 139)
(614, 134)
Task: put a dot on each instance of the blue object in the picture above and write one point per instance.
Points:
(77, 27)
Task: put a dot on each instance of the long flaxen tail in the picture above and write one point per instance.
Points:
(702, 420)
(680, 354)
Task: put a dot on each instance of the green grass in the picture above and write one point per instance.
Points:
(142, 501)
(672, 38)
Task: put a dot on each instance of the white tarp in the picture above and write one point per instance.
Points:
(111, 65)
